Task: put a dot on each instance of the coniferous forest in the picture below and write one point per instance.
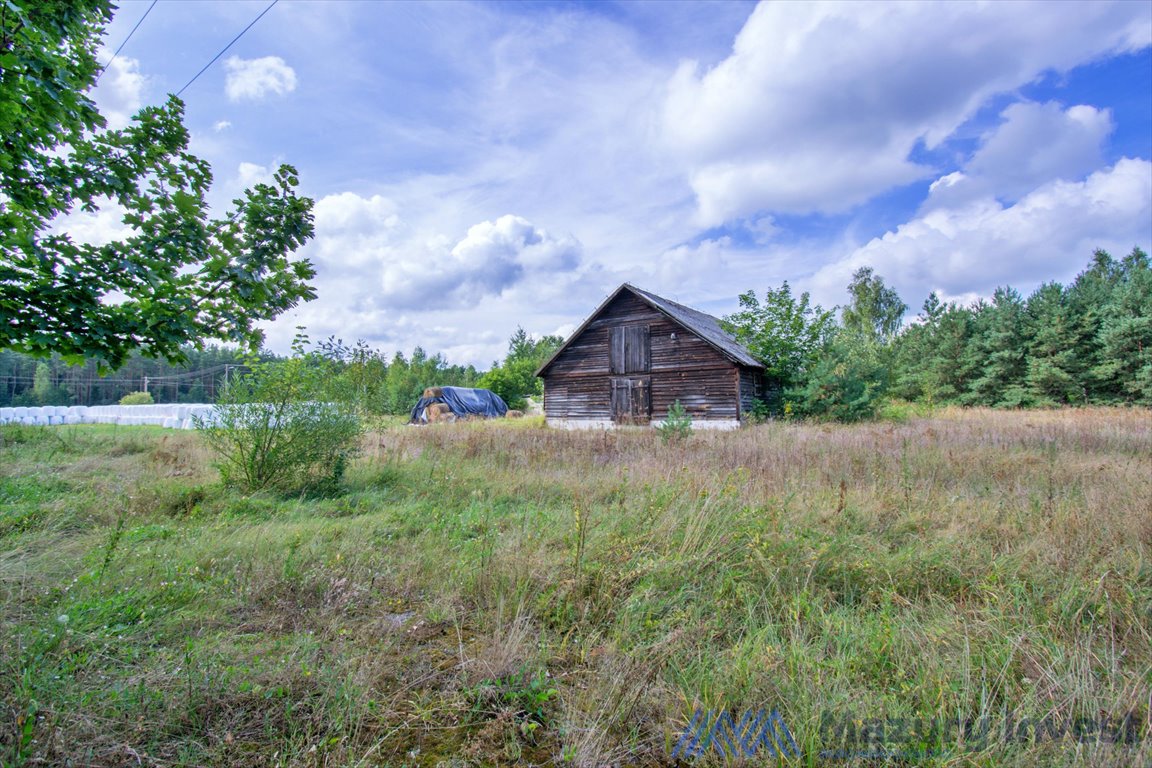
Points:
(1089, 342)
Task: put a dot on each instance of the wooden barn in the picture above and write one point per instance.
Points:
(636, 355)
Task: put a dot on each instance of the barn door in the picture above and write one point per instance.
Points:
(631, 400)
(629, 349)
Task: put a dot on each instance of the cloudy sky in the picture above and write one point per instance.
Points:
(478, 166)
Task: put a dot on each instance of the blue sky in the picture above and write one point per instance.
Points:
(479, 166)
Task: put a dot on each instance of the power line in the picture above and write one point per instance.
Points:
(109, 64)
(225, 48)
(4, 378)
(196, 374)
(177, 377)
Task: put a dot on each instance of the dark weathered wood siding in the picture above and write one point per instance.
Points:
(578, 383)
(751, 389)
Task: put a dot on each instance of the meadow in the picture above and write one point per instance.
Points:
(503, 593)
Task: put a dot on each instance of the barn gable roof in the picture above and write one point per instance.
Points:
(703, 325)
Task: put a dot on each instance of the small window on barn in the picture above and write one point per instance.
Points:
(629, 349)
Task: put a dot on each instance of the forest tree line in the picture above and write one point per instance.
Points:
(1089, 342)
(378, 383)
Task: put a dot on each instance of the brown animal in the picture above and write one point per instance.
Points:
(514, 414)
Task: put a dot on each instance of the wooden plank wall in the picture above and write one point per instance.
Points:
(749, 378)
(578, 384)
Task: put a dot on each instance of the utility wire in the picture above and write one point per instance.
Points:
(225, 48)
(200, 373)
(105, 69)
(96, 381)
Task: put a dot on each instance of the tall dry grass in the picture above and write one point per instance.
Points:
(502, 593)
(968, 565)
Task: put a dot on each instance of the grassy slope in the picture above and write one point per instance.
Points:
(487, 594)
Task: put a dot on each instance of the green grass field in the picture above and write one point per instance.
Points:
(502, 593)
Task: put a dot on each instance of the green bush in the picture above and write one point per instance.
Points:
(137, 398)
(759, 413)
(847, 384)
(274, 429)
(515, 379)
(677, 426)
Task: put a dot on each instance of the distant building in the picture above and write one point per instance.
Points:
(637, 354)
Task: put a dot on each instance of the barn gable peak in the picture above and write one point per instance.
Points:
(703, 325)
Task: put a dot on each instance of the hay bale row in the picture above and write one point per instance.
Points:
(433, 392)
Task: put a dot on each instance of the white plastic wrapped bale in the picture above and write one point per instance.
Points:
(171, 416)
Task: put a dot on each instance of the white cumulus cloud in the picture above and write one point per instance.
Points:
(820, 105)
(254, 79)
(970, 249)
(492, 257)
(99, 227)
(398, 283)
(248, 174)
(1035, 144)
(120, 93)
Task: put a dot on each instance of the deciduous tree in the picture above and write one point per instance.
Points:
(786, 333)
(178, 277)
(874, 309)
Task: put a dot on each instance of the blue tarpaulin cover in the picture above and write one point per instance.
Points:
(464, 402)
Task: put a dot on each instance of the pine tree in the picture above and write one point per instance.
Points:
(913, 354)
(949, 376)
(1124, 339)
(1088, 300)
(1051, 356)
(1001, 344)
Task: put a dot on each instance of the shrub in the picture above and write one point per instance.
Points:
(759, 413)
(137, 398)
(677, 426)
(847, 384)
(274, 429)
